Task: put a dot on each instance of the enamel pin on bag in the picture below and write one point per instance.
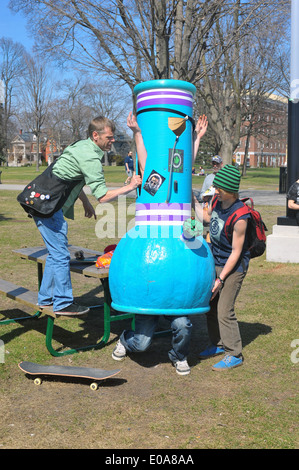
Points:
(45, 195)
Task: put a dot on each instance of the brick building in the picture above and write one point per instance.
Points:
(23, 149)
(268, 142)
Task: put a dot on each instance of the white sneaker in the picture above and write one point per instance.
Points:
(119, 352)
(182, 367)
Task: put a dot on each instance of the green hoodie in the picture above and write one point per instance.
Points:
(81, 161)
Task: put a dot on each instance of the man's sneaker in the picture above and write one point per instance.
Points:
(119, 352)
(182, 367)
(228, 362)
(72, 309)
(211, 352)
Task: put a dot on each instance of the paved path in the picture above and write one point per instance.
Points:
(260, 197)
(20, 187)
(264, 197)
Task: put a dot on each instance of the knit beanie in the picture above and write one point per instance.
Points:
(228, 178)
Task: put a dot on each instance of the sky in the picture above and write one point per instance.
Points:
(14, 26)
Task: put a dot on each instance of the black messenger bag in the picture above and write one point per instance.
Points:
(46, 194)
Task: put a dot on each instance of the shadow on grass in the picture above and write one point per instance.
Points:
(68, 332)
(3, 218)
(158, 350)
(88, 329)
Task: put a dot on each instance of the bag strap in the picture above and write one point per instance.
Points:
(232, 219)
(245, 199)
(214, 201)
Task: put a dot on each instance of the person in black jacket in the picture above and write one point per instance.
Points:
(293, 200)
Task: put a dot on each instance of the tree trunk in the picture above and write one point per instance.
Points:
(37, 152)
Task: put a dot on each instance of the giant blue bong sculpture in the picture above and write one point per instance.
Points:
(158, 267)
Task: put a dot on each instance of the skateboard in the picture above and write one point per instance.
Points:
(67, 371)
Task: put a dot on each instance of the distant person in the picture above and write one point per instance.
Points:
(293, 200)
(217, 164)
(201, 171)
(129, 166)
(207, 200)
(207, 189)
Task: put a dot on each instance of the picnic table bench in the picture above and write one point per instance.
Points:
(20, 294)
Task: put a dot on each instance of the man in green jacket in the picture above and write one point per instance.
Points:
(80, 164)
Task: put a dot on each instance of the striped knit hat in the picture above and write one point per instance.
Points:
(228, 178)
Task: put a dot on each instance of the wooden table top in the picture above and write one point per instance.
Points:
(39, 255)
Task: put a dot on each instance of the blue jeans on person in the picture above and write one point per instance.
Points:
(145, 325)
(56, 284)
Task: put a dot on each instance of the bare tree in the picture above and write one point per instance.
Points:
(134, 40)
(131, 40)
(245, 74)
(265, 80)
(76, 112)
(12, 67)
(36, 97)
(76, 102)
(81, 98)
(104, 98)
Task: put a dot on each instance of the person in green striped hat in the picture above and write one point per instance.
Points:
(228, 179)
(231, 262)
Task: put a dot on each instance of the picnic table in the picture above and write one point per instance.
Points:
(39, 255)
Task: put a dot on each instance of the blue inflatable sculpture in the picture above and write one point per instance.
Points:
(155, 269)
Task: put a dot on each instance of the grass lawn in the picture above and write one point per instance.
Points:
(147, 405)
(256, 178)
(22, 175)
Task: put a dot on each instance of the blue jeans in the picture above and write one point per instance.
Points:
(145, 325)
(56, 285)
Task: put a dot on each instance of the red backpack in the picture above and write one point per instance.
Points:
(256, 228)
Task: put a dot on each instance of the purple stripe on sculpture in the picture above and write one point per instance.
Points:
(163, 206)
(162, 100)
(158, 218)
(164, 92)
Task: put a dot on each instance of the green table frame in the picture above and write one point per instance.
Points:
(39, 256)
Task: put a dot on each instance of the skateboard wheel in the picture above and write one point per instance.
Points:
(94, 386)
(38, 381)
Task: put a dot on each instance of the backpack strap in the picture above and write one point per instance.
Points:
(245, 199)
(232, 219)
(214, 202)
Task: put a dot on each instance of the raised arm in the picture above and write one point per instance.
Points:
(199, 132)
(141, 150)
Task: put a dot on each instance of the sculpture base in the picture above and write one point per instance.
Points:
(282, 245)
(161, 311)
